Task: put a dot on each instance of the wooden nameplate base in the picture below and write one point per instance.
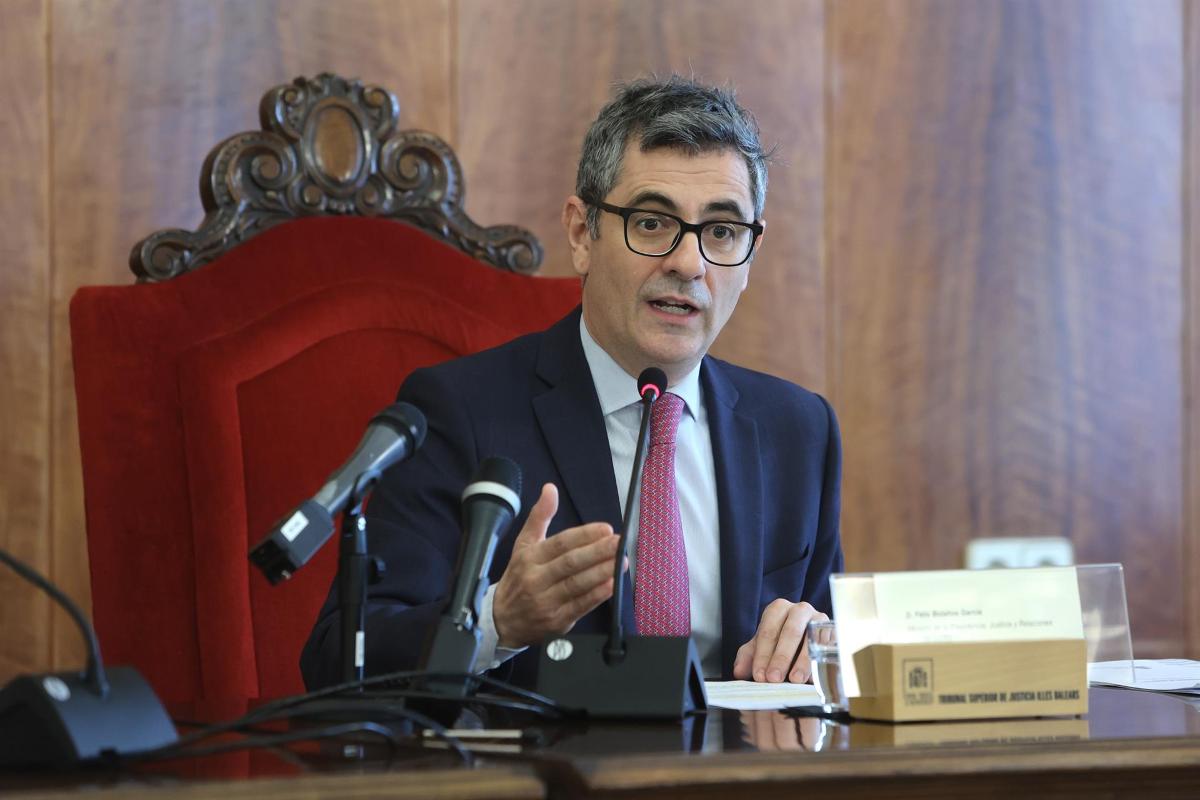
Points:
(971, 680)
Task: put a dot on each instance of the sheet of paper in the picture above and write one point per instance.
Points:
(751, 696)
(953, 606)
(1179, 675)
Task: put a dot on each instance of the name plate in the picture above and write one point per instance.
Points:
(950, 606)
(971, 680)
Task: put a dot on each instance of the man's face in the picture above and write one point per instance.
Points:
(666, 311)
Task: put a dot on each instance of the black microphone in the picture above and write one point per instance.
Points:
(63, 718)
(654, 677)
(489, 504)
(651, 385)
(393, 435)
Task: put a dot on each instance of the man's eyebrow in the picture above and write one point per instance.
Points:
(650, 196)
(658, 198)
(729, 206)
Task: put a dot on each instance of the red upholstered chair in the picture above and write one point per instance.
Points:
(335, 258)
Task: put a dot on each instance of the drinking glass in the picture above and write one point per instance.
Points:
(827, 674)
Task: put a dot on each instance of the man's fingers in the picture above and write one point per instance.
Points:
(580, 583)
(773, 617)
(582, 604)
(574, 538)
(802, 670)
(540, 514)
(581, 558)
(790, 634)
(743, 660)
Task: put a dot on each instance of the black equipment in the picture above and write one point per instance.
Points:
(393, 435)
(616, 676)
(489, 504)
(62, 719)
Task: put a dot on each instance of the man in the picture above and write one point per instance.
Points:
(736, 547)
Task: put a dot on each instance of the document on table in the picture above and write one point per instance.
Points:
(1176, 675)
(752, 696)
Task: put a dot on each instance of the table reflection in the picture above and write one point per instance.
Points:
(1112, 714)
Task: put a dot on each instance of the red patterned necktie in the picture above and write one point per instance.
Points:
(661, 605)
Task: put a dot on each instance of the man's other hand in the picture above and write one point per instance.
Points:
(550, 583)
(771, 656)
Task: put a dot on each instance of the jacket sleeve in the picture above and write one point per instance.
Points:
(827, 550)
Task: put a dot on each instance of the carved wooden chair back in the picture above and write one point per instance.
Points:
(336, 258)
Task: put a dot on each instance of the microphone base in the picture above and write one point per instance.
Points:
(56, 720)
(659, 677)
(450, 648)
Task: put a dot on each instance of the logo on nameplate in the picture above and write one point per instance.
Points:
(918, 681)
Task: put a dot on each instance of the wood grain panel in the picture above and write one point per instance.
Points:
(143, 89)
(24, 349)
(532, 74)
(1191, 342)
(1005, 232)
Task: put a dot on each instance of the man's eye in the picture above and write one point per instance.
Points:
(649, 224)
(720, 231)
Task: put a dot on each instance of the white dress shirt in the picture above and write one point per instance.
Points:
(696, 486)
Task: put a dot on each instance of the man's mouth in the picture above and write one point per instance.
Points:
(674, 307)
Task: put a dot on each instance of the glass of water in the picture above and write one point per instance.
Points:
(827, 674)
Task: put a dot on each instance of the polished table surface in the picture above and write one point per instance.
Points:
(1131, 744)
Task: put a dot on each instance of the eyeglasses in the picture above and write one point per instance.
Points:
(723, 243)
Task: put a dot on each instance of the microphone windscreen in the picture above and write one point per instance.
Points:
(501, 470)
(652, 377)
(405, 418)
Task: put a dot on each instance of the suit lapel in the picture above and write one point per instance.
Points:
(739, 509)
(568, 413)
(578, 442)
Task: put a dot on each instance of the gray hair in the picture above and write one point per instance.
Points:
(678, 113)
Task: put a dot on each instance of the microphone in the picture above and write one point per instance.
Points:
(64, 718)
(651, 385)
(489, 504)
(393, 435)
(641, 677)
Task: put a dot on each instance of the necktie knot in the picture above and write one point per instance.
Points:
(664, 419)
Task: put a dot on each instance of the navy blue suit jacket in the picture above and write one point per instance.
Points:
(778, 466)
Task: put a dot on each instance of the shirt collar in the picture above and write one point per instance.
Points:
(617, 389)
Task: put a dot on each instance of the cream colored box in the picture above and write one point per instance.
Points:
(971, 680)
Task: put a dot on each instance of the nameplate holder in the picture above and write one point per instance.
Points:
(971, 680)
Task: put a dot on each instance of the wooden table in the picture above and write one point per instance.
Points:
(1131, 744)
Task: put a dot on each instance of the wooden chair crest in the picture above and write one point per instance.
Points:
(329, 146)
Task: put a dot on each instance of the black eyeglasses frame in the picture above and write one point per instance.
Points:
(625, 212)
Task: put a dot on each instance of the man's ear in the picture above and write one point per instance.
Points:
(579, 238)
(754, 255)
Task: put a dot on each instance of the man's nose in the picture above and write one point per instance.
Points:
(686, 260)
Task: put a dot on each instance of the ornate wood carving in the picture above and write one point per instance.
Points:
(329, 146)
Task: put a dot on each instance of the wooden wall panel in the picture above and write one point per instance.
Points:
(1191, 342)
(143, 89)
(974, 234)
(1005, 232)
(532, 74)
(24, 348)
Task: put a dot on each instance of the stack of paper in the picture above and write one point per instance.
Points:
(751, 696)
(1174, 675)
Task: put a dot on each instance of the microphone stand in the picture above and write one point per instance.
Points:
(63, 719)
(356, 569)
(654, 677)
(614, 648)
